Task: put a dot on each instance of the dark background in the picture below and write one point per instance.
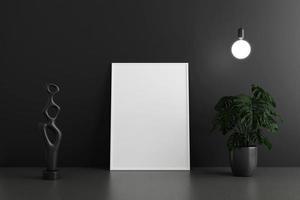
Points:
(73, 43)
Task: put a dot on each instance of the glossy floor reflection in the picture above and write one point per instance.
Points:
(200, 183)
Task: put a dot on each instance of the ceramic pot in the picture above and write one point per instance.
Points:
(243, 161)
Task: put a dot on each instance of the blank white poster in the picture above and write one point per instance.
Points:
(149, 116)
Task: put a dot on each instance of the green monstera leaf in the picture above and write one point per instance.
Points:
(245, 117)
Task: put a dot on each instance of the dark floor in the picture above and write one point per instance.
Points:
(200, 183)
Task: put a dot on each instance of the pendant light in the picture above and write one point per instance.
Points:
(241, 49)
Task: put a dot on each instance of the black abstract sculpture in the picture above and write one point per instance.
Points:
(51, 134)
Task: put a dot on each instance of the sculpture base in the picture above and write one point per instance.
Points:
(51, 175)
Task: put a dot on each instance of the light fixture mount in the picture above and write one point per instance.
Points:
(241, 33)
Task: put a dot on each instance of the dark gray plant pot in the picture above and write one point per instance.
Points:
(243, 161)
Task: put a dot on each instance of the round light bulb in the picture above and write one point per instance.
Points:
(240, 49)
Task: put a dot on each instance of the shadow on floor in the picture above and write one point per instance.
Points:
(213, 172)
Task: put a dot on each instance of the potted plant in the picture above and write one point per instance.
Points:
(246, 119)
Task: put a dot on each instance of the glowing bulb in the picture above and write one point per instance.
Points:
(240, 49)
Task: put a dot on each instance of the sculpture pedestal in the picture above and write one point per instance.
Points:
(51, 175)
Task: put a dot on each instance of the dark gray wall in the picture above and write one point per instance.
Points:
(72, 43)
